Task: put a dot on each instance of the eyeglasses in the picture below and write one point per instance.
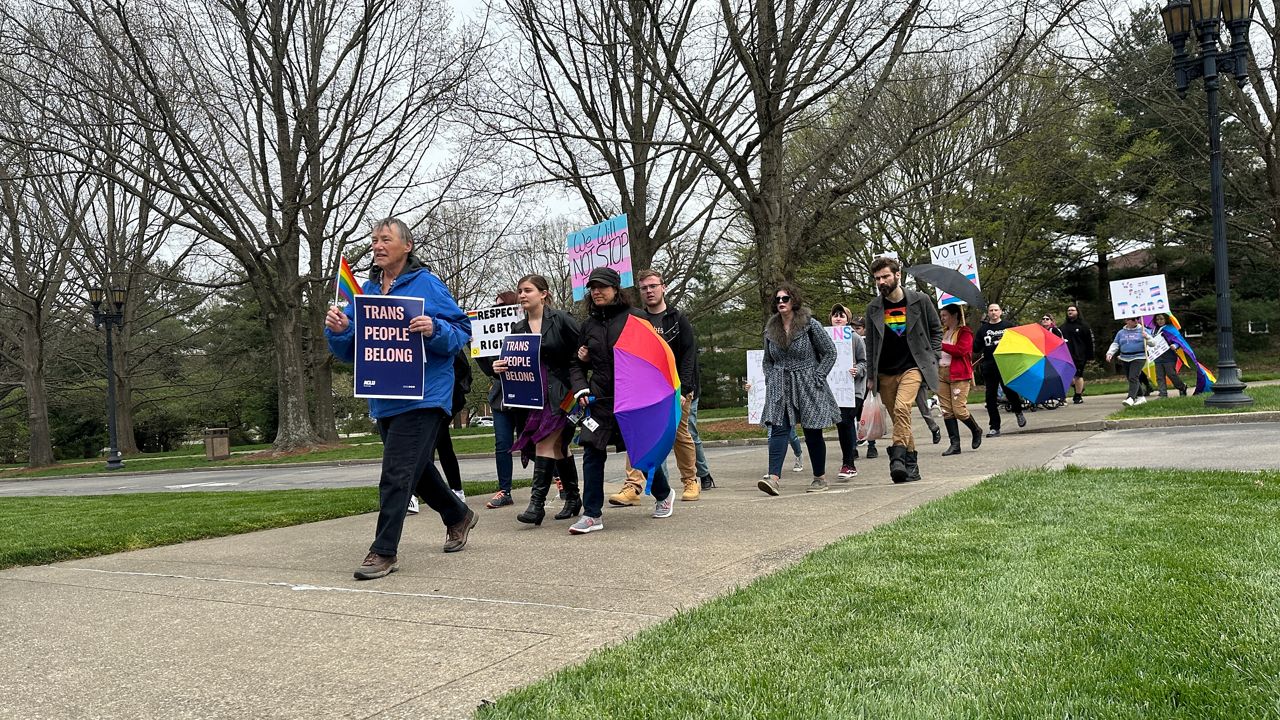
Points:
(650, 287)
(781, 299)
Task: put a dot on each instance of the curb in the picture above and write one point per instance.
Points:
(1162, 422)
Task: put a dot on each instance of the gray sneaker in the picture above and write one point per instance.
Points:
(769, 484)
(663, 508)
(376, 566)
(586, 524)
(818, 485)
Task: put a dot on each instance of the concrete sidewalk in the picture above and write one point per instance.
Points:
(272, 625)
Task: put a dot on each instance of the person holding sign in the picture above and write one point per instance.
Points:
(409, 427)
(798, 356)
(847, 428)
(607, 315)
(1130, 346)
(504, 422)
(1167, 362)
(544, 433)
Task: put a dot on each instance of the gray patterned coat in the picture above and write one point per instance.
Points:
(795, 373)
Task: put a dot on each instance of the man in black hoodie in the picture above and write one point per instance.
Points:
(1080, 342)
(677, 331)
(984, 347)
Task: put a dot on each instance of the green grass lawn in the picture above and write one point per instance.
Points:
(39, 530)
(1265, 398)
(1037, 594)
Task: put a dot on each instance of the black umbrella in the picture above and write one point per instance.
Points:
(949, 281)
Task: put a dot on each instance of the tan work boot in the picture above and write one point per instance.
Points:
(630, 495)
(692, 490)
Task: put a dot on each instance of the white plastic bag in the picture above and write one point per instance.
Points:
(875, 422)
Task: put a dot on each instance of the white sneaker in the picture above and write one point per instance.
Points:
(413, 504)
(664, 508)
(1139, 401)
(586, 524)
(462, 495)
(798, 467)
(1129, 402)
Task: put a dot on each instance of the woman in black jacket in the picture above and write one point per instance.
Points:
(606, 317)
(544, 433)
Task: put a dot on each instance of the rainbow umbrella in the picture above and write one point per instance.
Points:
(1035, 363)
(646, 400)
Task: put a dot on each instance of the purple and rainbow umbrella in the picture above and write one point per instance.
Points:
(1035, 363)
(646, 400)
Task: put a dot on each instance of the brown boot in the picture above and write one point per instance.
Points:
(630, 495)
(692, 490)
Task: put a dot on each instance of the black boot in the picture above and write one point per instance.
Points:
(898, 463)
(872, 453)
(913, 469)
(974, 428)
(933, 430)
(572, 496)
(953, 434)
(538, 494)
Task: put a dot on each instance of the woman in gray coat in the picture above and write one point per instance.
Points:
(798, 354)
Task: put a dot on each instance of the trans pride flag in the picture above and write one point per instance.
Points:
(1172, 333)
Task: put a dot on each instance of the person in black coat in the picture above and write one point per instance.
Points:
(985, 342)
(1080, 342)
(544, 433)
(606, 318)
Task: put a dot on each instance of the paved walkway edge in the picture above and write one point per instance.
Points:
(1161, 422)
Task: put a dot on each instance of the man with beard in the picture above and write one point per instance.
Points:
(1080, 342)
(984, 346)
(904, 342)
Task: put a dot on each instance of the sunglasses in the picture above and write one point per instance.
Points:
(781, 299)
(1046, 317)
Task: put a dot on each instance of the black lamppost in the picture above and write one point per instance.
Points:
(108, 318)
(1180, 18)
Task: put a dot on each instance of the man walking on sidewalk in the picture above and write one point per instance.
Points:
(1080, 343)
(677, 331)
(984, 347)
(904, 342)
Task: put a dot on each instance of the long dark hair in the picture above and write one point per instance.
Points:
(539, 283)
(797, 301)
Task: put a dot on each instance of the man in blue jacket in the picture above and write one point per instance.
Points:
(409, 427)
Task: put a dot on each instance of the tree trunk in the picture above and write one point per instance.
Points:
(295, 429)
(768, 218)
(124, 410)
(326, 424)
(40, 447)
(1104, 276)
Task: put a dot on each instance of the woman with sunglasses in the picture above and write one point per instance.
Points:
(798, 354)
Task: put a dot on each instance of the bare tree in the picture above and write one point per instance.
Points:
(278, 127)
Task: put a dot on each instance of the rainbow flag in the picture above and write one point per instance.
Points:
(346, 284)
(1172, 333)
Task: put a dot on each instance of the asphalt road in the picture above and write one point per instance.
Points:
(1250, 446)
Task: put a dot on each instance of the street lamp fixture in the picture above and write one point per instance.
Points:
(107, 319)
(1181, 17)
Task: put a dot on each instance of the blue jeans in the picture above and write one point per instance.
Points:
(782, 435)
(408, 444)
(504, 436)
(703, 470)
(593, 460)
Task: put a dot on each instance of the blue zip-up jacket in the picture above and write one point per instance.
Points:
(451, 333)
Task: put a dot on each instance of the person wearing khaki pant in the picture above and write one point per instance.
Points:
(677, 331)
(955, 375)
(904, 342)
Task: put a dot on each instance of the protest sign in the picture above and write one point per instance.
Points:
(961, 257)
(522, 381)
(1139, 296)
(1159, 346)
(755, 378)
(389, 358)
(489, 326)
(604, 245)
(839, 379)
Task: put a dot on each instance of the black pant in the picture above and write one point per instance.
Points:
(847, 431)
(991, 379)
(448, 458)
(408, 443)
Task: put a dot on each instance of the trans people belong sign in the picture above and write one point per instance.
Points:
(389, 358)
(607, 244)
